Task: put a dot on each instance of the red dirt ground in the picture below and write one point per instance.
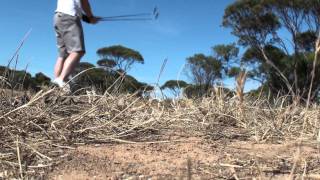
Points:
(190, 158)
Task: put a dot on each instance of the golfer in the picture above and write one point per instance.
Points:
(70, 38)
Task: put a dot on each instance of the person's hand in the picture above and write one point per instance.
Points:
(94, 20)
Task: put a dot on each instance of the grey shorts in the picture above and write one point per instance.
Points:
(69, 34)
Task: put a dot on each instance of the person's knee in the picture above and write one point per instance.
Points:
(81, 53)
(77, 55)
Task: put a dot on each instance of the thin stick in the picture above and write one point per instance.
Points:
(160, 73)
(32, 167)
(36, 98)
(37, 152)
(103, 125)
(230, 165)
(296, 160)
(313, 73)
(25, 75)
(162, 69)
(17, 50)
(19, 158)
(20, 45)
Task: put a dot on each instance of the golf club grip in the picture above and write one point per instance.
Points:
(128, 19)
(85, 18)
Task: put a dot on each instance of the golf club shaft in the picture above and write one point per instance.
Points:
(128, 19)
(128, 15)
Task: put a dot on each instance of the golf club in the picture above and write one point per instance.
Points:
(129, 17)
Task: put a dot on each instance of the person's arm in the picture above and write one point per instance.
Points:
(87, 9)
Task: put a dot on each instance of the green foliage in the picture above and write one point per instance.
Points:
(18, 80)
(175, 86)
(131, 85)
(102, 80)
(306, 41)
(93, 78)
(112, 72)
(42, 80)
(204, 70)
(119, 57)
(225, 53)
(172, 84)
(107, 64)
(269, 59)
(251, 22)
(196, 91)
(110, 75)
(21, 80)
(234, 71)
(84, 66)
(199, 91)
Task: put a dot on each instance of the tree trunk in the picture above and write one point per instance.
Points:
(313, 73)
(268, 61)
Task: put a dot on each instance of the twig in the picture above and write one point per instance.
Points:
(19, 158)
(36, 98)
(229, 165)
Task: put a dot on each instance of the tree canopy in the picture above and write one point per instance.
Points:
(285, 67)
(119, 57)
(204, 70)
(175, 86)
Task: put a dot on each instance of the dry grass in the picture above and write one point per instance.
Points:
(241, 80)
(35, 135)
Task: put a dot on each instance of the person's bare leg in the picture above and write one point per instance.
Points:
(58, 67)
(69, 64)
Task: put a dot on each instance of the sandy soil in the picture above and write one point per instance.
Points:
(191, 158)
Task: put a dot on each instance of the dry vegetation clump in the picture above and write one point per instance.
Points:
(36, 132)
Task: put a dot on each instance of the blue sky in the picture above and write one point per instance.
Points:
(185, 27)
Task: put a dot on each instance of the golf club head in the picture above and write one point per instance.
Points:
(155, 10)
(156, 13)
(156, 16)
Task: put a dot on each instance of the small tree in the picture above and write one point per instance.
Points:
(132, 85)
(204, 70)
(84, 66)
(257, 24)
(175, 86)
(42, 79)
(227, 55)
(106, 64)
(90, 78)
(119, 57)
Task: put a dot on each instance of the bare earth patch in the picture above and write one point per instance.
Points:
(209, 138)
(194, 157)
